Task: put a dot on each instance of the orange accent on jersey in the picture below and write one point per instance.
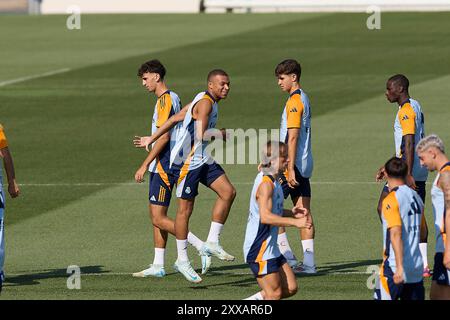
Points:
(207, 97)
(407, 119)
(261, 251)
(446, 168)
(266, 179)
(294, 112)
(162, 173)
(3, 140)
(385, 285)
(262, 265)
(164, 106)
(391, 211)
(185, 169)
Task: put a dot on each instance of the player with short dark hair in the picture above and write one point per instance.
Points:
(409, 128)
(193, 165)
(157, 162)
(295, 131)
(401, 214)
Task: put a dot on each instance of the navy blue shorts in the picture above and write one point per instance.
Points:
(262, 268)
(302, 190)
(440, 274)
(188, 181)
(406, 291)
(160, 189)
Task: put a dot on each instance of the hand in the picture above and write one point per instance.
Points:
(398, 276)
(447, 259)
(299, 212)
(302, 222)
(291, 178)
(381, 174)
(13, 189)
(411, 182)
(142, 142)
(140, 173)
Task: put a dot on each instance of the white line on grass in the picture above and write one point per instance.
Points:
(212, 272)
(99, 184)
(41, 75)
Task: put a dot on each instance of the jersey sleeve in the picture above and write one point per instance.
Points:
(3, 140)
(391, 211)
(407, 119)
(164, 109)
(294, 112)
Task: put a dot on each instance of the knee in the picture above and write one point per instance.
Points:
(275, 294)
(229, 194)
(184, 212)
(157, 220)
(291, 290)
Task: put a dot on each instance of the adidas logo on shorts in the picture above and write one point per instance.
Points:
(153, 198)
(188, 190)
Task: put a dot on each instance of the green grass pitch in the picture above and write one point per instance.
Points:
(71, 134)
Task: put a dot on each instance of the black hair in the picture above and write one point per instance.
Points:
(152, 66)
(289, 66)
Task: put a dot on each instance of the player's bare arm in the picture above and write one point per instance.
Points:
(201, 113)
(264, 198)
(144, 142)
(397, 245)
(444, 184)
(13, 188)
(157, 148)
(293, 135)
(408, 142)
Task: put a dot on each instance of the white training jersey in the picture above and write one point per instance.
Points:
(403, 207)
(188, 152)
(437, 199)
(297, 114)
(166, 106)
(260, 242)
(410, 120)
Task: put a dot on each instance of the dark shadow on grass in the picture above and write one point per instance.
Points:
(242, 282)
(34, 278)
(348, 266)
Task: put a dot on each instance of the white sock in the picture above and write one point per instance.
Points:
(424, 253)
(159, 256)
(285, 248)
(182, 250)
(256, 296)
(308, 252)
(214, 232)
(193, 240)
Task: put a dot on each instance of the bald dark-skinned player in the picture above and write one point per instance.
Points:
(409, 128)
